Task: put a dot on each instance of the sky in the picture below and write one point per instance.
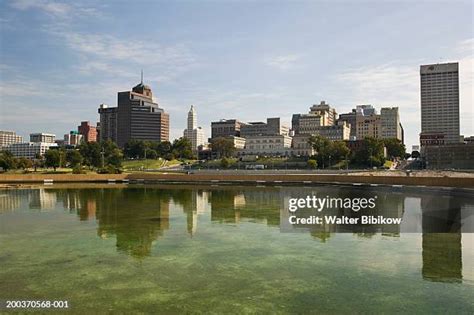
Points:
(231, 59)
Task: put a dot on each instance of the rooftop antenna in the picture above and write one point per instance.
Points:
(142, 77)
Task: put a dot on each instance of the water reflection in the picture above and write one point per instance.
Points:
(137, 217)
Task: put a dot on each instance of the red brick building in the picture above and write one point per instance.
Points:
(88, 132)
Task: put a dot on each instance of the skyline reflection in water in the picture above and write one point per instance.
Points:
(139, 216)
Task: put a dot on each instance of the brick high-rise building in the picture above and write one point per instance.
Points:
(88, 132)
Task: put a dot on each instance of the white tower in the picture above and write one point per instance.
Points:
(194, 133)
(192, 118)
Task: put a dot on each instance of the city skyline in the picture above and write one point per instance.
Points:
(246, 61)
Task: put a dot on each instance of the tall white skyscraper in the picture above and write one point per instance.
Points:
(440, 100)
(194, 133)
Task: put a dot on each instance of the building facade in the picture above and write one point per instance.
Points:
(327, 113)
(368, 126)
(136, 117)
(301, 146)
(73, 138)
(42, 137)
(440, 100)
(225, 128)
(139, 118)
(447, 156)
(390, 123)
(273, 126)
(9, 137)
(194, 133)
(108, 123)
(274, 145)
(30, 149)
(318, 116)
(88, 132)
(350, 119)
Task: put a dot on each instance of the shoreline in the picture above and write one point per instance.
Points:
(241, 179)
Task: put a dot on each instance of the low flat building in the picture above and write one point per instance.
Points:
(448, 156)
(9, 137)
(30, 149)
(276, 145)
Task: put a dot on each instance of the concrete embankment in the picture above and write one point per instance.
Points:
(259, 179)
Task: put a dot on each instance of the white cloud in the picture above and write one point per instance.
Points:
(397, 84)
(284, 62)
(53, 8)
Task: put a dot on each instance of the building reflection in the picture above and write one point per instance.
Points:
(442, 247)
(138, 217)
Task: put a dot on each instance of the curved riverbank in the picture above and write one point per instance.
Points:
(216, 178)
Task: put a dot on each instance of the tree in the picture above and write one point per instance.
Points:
(395, 148)
(339, 151)
(52, 158)
(135, 149)
(151, 154)
(7, 160)
(225, 163)
(73, 158)
(323, 148)
(312, 164)
(24, 163)
(371, 154)
(182, 148)
(164, 149)
(112, 154)
(91, 153)
(224, 147)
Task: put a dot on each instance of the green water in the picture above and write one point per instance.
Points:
(201, 249)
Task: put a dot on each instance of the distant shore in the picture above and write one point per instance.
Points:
(435, 179)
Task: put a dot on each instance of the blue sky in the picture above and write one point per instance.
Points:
(232, 59)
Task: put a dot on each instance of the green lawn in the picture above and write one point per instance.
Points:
(130, 165)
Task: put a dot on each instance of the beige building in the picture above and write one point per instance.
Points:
(319, 115)
(239, 142)
(9, 137)
(273, 126)
(327, 113)
(275, 145)
(368, 126)
(440, 100)
(340, 131)
(390, 123)
(301, 146)
(42, 137)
